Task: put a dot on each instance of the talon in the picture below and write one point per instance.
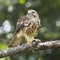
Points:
(37, 40)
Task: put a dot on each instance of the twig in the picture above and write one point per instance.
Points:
(25, 47)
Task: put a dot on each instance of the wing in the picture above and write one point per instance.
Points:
(22, 22)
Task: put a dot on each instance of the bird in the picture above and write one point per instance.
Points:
(26, 27)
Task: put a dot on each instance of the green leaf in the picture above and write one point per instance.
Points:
(3, 46)
(22, 1)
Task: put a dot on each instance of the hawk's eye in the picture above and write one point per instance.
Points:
(33, 12)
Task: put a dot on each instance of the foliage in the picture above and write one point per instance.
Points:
(49, 12)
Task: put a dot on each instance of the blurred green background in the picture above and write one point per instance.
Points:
(49, 12)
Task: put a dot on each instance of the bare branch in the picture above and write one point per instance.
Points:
(25, 47)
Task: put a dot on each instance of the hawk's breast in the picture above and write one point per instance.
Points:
(32, 29)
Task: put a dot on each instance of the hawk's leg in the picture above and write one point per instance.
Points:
(29, 41)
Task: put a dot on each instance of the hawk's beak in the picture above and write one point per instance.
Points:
(28, 14)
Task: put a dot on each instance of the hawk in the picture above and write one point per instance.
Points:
(27, 27)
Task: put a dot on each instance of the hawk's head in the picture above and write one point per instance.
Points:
(32, 13)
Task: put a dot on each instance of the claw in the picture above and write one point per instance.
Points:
(37, 40)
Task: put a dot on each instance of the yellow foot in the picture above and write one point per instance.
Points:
(37, 40)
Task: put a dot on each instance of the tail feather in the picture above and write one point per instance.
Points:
(15, 41)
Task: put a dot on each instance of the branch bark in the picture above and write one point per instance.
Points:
(31, 47)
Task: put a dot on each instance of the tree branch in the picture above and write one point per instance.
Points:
(31, 47)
